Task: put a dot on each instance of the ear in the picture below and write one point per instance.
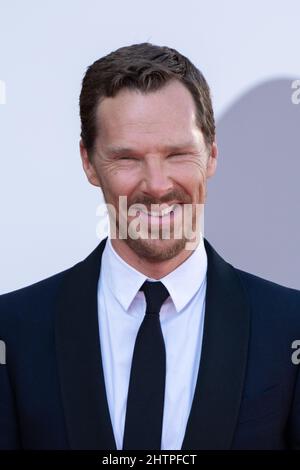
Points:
(212, 160)
(88, 166)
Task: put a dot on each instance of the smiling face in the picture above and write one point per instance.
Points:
(150, 149)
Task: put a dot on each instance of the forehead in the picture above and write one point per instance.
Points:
(162, 116)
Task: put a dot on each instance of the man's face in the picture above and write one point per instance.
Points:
(150, 149)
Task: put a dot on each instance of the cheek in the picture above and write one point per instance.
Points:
(192, 178)
(119, 183)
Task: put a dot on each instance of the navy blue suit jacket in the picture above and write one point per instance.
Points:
(52, 391)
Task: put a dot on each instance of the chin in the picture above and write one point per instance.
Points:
(157, 250)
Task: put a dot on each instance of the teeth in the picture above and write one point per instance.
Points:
(164, 212)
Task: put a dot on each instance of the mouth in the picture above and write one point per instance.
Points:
(163, 212)
(165, 216)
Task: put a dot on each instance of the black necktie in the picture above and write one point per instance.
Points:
(145, 401)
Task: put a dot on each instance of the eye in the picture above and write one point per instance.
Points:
(127, 157)
(177, 155)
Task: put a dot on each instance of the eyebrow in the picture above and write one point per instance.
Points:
(119, 150)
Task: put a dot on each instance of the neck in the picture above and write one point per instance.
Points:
(154, 269)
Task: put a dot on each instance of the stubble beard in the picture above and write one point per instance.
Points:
(159, 248)
(156, 250)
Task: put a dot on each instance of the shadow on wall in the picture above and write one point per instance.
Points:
(252, 214)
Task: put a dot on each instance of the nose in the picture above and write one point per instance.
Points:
(156, 178)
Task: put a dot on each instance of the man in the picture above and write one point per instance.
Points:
(149, 343)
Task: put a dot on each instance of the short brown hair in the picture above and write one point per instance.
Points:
(145, 67)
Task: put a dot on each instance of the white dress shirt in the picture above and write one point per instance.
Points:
(121, 308)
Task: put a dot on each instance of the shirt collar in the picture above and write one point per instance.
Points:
(187, 278)
(182, 283)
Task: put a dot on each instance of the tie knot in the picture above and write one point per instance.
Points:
(155, 294)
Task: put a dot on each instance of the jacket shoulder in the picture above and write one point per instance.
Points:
(37, 303)
(30, 303)
(271, 299)
(38, 288)
(264, 285)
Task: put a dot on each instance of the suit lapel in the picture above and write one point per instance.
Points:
(221, 372)
(79, 358)
(219, 387)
